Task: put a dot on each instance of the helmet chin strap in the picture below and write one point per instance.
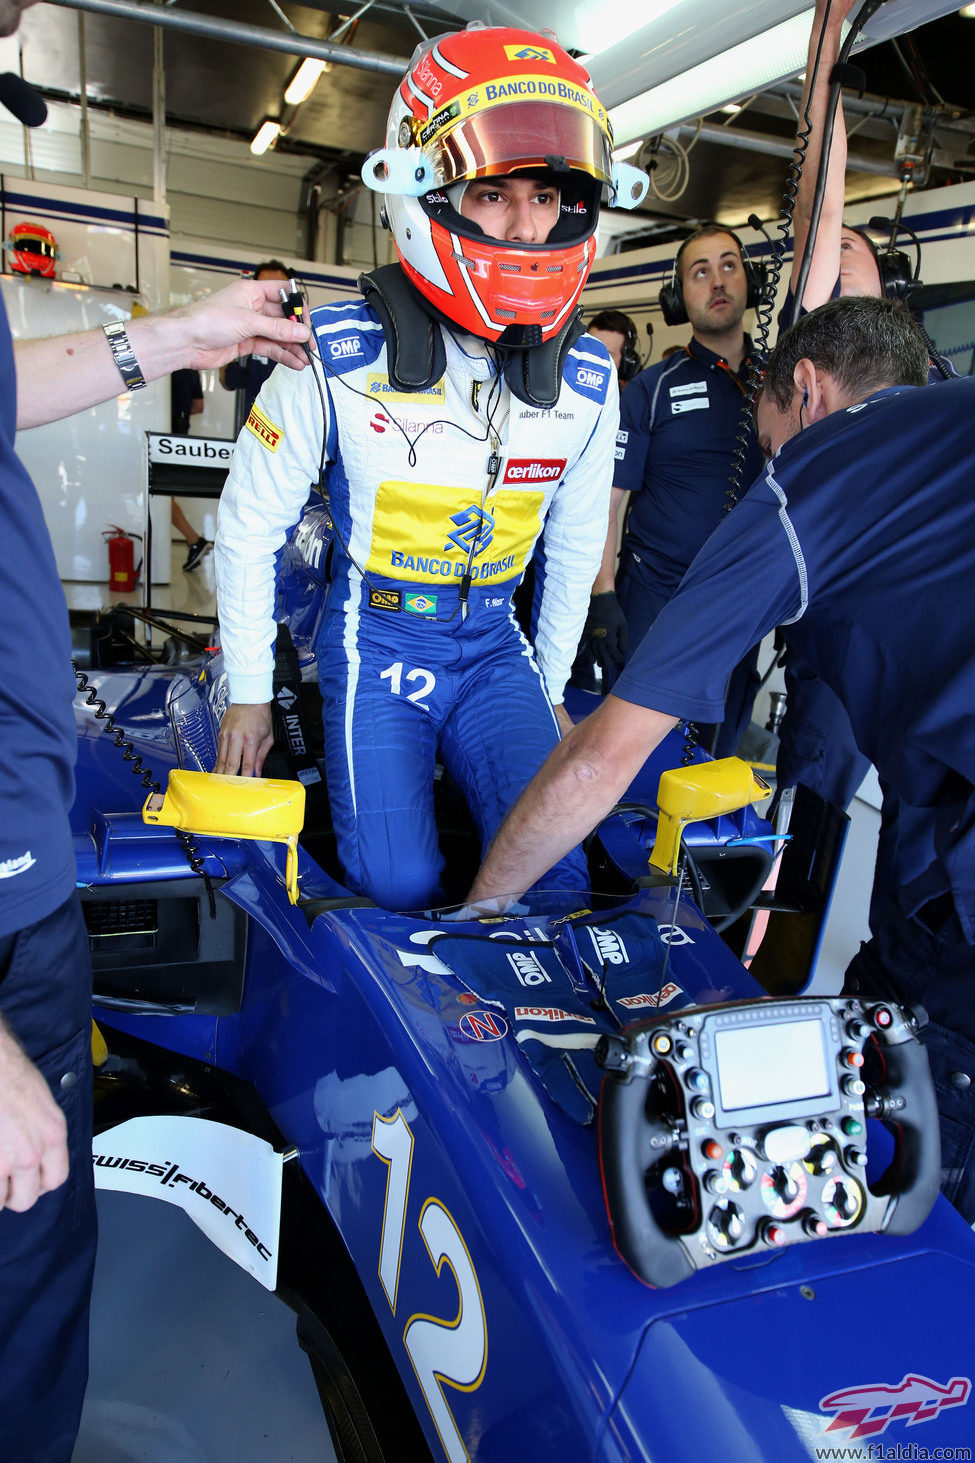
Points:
(416, 358)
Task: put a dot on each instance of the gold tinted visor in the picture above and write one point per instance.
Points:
(517, 135)
(31, 244)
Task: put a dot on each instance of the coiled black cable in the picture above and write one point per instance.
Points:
(101, 712)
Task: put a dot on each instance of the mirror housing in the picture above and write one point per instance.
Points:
(704, 790)
(210, 803)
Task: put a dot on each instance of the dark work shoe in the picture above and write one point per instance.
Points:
(198, 551)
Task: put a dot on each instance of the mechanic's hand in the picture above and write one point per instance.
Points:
(246, 737)
(243, 319)
(605, 632)
(33, 1133)
(564, 720)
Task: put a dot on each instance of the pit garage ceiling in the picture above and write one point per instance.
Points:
(737, 164)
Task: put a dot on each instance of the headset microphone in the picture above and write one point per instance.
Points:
(754, 222)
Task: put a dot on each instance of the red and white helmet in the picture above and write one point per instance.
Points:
(484, 102)
(33, 249)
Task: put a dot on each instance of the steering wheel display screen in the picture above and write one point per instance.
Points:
(771, 1063)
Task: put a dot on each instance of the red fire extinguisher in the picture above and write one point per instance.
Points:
(122, 568)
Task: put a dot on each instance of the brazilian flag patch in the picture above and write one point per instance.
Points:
(421, 604)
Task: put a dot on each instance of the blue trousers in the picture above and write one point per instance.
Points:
(47, 1254)
(926, 959)
(401, 690)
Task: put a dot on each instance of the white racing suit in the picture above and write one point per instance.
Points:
(424, 488)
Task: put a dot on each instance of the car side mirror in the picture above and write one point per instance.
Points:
(262, 808)
(704, 790)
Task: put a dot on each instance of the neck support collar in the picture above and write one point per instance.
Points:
(416, 355)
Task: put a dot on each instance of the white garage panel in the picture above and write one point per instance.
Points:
(89, 470)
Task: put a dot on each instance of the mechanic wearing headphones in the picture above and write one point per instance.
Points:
(817, 746)
(678, 424)
(618, 334)
(867, 473)
(451, 414)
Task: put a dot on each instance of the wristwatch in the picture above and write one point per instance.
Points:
(129, 368)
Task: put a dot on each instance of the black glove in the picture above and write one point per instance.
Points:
(605, 633)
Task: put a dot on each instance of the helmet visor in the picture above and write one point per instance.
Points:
(520, 134)
(33, 244)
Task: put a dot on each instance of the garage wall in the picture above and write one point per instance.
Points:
(89, 469)
(216, 188)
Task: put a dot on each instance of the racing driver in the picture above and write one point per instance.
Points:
(452, 412)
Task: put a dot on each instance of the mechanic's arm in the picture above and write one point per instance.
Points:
(573, 548)
(63, 374)
(576, 788)
(604, 635)
(33, 1133)
(605, 581)
(827, 24)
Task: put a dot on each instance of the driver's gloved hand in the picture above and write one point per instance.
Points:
(605, 633)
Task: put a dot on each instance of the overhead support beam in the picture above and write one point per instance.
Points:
(235, 33)
(758, 142)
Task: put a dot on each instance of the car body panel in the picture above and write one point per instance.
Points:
(469, 1202)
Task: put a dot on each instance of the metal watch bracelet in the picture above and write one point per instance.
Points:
(129, 368)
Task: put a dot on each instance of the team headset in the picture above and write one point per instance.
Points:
(630, 360)
(898, 281)
(897, 278)
(671, 296)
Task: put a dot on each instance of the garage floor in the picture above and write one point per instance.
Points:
(193, 1360)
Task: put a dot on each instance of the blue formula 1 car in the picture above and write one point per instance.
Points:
(563, 1185)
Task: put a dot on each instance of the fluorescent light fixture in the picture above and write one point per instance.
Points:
(305, 80)
(733, 108)
(748, 67)
(968, 11)
(267, 133)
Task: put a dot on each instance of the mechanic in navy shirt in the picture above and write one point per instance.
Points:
(47, 1212)
(817, 746)
(247, 375)
(678, 425)
(859, 538)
